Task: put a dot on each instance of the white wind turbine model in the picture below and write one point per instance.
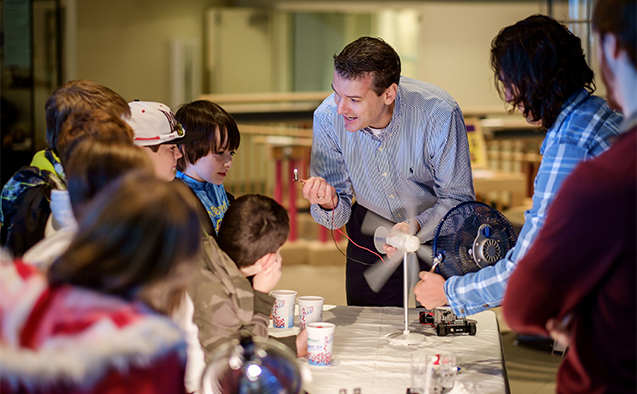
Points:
(378, 274)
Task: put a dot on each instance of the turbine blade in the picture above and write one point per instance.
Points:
(426, 233)
(424, 252)
(378, 274)
(372, 221)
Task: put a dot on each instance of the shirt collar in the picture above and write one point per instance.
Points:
(569, 105)
(566, 110)
(393, 123)
(193, 183)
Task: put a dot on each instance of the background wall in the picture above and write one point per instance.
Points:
(456, 41)
(125, 44)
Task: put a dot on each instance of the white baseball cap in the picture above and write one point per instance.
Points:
(155, 124)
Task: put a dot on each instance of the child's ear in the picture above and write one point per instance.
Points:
(257, 267)
(263, 261)
(266, 261)
(251, 270)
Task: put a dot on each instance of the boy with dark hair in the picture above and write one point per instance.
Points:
(26, 197)
(205, 163)
(540, 69)
(225, 303)
(258, 227)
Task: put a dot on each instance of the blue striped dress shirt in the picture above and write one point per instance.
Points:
(583, 129)
(417, 167)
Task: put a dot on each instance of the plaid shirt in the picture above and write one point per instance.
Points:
(584, 128)
(416, 167)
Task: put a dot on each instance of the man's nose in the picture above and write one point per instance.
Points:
(178, 153)
(341, 108)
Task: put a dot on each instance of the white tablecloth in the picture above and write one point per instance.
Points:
(363, 358)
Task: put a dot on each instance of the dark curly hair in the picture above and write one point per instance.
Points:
(369, 55)
(618, 17)
(542, 63)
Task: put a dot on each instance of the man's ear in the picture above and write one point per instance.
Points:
(390, 94)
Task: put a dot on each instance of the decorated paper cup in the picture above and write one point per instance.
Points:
(283, 309)
(320, 338)
(310, 310)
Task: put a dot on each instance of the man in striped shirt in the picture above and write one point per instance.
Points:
(399, 146)
(541, 70)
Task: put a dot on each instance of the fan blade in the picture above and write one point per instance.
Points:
(378, 274)
(424, 253)
(372, 221)
(426, 233)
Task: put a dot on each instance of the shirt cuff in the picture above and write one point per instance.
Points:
(331, 219)
(459, 308)
(263, 303)
(453, 302)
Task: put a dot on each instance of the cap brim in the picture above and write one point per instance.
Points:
(189, 137)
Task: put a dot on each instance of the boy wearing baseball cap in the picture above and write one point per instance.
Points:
(158, 132)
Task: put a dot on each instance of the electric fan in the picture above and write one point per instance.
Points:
(471, 236)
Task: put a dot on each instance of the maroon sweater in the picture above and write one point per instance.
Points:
(583, 262)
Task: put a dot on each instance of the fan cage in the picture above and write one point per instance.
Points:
(455, 235)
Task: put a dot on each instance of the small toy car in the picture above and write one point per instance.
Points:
(445, 322)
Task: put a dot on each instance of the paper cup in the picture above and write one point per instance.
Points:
(310, 310)
(320, 338)
(283, 309)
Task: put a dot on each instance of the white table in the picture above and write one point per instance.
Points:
(363, 358)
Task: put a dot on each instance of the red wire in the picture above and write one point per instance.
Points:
(346, 236)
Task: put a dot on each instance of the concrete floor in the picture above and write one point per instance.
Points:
(530, 371)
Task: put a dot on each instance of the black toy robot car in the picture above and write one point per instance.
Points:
(445, 322)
